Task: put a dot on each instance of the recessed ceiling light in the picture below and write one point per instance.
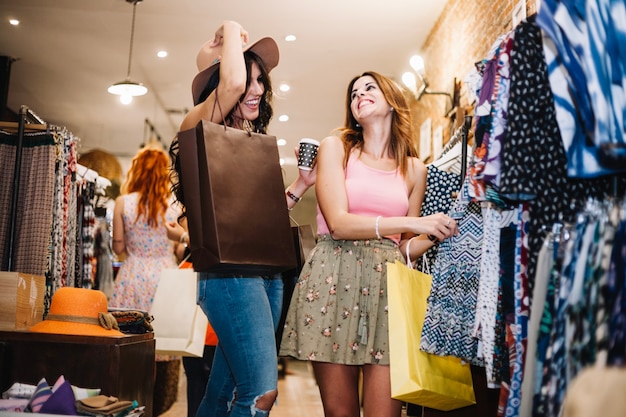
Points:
(162, 54)
(281, 142)
(283, 118)
(14, 22)
(290, 38)
(284, 87)
(282, 161)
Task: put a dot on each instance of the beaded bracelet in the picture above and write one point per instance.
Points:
(293, 196)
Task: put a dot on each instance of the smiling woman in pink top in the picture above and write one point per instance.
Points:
(370, 187)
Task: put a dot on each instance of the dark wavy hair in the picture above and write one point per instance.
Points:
(259, 125)
(402, 134)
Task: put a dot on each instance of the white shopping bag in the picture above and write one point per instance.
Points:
(179, 323)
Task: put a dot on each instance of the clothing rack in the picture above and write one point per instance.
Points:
(461, 134)
(467, 123)
(25, 115)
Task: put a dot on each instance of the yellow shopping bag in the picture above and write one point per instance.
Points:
(439, 382)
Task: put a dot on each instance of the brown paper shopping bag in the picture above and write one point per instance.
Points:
(439, 382)
(304, 242)
(235, 201)
(21, 300)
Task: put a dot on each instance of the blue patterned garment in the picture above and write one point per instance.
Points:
(545, 355)
(438, 198)
(585, 51)
(520, 286)
(497, 134)
(451, 310)
(554, 376)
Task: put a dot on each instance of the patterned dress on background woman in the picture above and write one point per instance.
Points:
(148, 251)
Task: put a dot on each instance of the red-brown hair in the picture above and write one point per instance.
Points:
(149, 176)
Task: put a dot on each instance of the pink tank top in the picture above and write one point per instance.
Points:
(372, 192)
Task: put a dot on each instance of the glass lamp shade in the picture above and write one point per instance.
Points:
(128, 88)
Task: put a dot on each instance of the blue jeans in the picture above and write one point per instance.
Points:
(244, 313)
(197, 372)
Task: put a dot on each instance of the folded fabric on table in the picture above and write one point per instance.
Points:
(62, 400)
(132, 321)
(58, 399)
(103, 405)
(25, 391)
(19, 390)
(17, 405)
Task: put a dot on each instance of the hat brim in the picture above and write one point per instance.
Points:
(265, 48)
(79, 329)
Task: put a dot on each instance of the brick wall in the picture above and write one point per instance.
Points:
(462, 35)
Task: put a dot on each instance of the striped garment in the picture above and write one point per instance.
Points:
(41, 395)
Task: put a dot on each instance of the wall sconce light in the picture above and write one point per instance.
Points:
(411, 79)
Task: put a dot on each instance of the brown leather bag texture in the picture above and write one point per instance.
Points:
(235, 201)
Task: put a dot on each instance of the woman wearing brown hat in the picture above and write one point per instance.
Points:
(243, 310)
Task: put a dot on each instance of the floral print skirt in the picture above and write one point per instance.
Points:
(338, 311)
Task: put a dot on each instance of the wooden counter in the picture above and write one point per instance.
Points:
(122, 367)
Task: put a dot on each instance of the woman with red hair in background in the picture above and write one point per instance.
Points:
(139, 233)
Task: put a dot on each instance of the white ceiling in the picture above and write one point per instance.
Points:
(69, 51)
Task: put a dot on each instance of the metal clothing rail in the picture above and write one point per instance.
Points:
(461, 134)
(464, 139)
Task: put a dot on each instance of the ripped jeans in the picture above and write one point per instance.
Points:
(244, 313)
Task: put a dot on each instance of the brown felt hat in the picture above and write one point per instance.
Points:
(208, 60)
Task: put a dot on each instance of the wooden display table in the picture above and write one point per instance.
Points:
(122, 367)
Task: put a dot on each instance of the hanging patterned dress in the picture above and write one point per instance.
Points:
(440, 186)
(451, 310)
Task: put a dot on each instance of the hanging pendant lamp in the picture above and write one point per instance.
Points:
(127, 89)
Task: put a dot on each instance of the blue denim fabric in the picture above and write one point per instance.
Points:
(244, 313)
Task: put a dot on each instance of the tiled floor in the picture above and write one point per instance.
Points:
(298, 394)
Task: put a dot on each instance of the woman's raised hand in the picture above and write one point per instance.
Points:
(219, 34)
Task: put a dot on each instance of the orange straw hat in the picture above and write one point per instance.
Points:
(208, 60)
(78, 311)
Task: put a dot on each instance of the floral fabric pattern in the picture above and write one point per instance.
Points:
(341, 294)
(148, 252)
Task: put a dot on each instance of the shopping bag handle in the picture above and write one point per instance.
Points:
(425, 267)
(184, 260)
(219, 106)
(408, 257)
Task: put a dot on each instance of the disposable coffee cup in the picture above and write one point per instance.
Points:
(307, 153)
